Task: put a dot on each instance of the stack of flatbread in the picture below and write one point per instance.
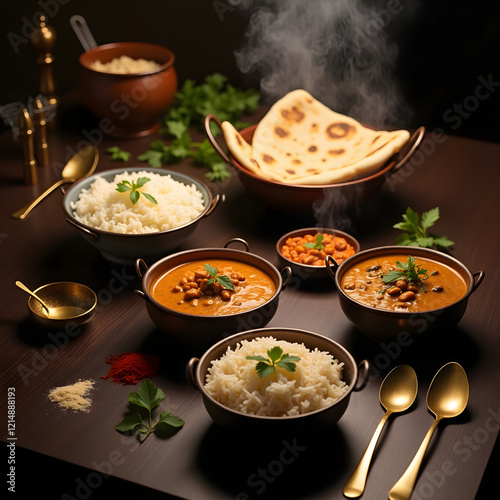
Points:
(301, 141)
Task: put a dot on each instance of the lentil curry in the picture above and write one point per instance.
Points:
(191, 289)
(440, 287)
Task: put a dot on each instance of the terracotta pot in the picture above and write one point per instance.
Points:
(197, 369)
(128, 105)
(380, 325)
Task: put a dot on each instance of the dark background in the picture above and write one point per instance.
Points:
(445, 48)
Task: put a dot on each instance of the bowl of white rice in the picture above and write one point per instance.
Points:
(315, 392)
(124, 231)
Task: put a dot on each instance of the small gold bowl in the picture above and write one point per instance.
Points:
(78, 300)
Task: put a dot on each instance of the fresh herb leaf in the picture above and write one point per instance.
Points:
(118, 154)
(213, 96)
(222, 279)
(125, 186)
(275, 357)
(317, 244)
(408, 271)
(149, 397)
(416, 230)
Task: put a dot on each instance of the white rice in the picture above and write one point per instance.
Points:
(103, 207)
(316, 383)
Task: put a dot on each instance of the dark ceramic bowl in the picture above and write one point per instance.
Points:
(128, 105)
(202, 331)
(127, 248)
(379, 325)
(304, 198)
(304, 272)
(197, 370)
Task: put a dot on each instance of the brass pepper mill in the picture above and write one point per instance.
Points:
(41, 144)
(43, 41)
(27, 136)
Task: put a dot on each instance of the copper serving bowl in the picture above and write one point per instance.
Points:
(202, 331)
(126, 248)
(302, 197)
(128, 105)
(309, 273)
(380, 325)
(224, 416)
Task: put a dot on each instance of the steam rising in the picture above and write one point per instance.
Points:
(336, 50)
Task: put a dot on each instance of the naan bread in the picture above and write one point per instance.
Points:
(301, 141)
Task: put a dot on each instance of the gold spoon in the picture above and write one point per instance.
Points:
(59, 312)
(81, 164)
(397, 393)
(447, 398)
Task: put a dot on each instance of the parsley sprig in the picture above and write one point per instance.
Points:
(133, 187)
(408, 271)
(316, 244)
(222, 279)
(416, 230)
(213, 96)
(148, 397)
(118, 154)
(276, 357)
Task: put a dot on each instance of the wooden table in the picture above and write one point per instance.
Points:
(81, 454)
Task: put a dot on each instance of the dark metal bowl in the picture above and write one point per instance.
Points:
(203, 331)
(380, 325)
(302, 197)
(197, 370)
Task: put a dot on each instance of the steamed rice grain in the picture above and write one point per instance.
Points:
(101, 206)
(316, 383)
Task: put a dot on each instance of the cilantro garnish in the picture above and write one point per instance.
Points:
(133, 187)
(416, 230)
(149, 397)
(317, 243)
(222, 279)
(408, 271)
(276, 357)
(118, 154)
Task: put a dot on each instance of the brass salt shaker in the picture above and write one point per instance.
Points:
(27, 136)
(43, 41)
(41, 144)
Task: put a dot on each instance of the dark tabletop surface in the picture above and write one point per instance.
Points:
(81, 453)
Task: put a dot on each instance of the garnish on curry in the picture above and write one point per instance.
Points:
(403, 283)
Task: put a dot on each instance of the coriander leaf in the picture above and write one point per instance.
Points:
(225, 281)
(212, 271)
(317, 243)
(407, 270)
(166, 418)
(392, 276)
(429, 218)
(276, 357)
(124, 186)
(129, 423)
(287, 364)
(148, 396)
(275, 353)
(424, 242)
(153, 158)
(176, 128)
(257, 358)
(263, 369)
(141, 181)
(150, 198)
(442, 241)
(134, 196)
(118, 154)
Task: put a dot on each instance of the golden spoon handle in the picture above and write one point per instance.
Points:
(23, 212)
(403, 489)
(356, 483)
(22, 286)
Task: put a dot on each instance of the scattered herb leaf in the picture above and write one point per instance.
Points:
(133, 187)
(416, 230)
(408, 271)
(317, 244)
(222, 279)
(149, 397)
(213, 96)
(118, 154)
(276, 357)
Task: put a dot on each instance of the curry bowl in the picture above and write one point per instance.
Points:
(382, 311)
(354, 375)
(308, 264)
(206, 319)
(128, 105)
(308, 197)
(77, 299)
(123, 248)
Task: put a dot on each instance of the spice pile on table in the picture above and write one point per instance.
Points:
(130, 367)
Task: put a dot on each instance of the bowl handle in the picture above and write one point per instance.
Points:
(363, 372)
(478, 278)
(190, 370)
(331, 266)
(414, 143)
(217, 198)
(287, 270)
(237, 240)
(211, 138)
(88, 232)
(140, 267)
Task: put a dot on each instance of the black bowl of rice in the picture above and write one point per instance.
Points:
(316, 392)
(124, 231)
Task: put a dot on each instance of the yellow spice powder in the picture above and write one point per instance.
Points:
(73, 397)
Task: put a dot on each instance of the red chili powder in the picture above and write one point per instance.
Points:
(130, 367)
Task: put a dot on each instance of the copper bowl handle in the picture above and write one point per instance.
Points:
(331, 266)
(217, 198)
(211, 138)
(140, 267)
(478, 278)
(190, 372)
(287, 272)
(237, 240)
(363, 372)
(414, 142)
(88, 232)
